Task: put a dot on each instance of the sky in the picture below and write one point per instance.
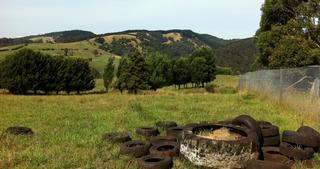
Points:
(226, 19)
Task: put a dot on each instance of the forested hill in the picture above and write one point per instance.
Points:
(237, 54)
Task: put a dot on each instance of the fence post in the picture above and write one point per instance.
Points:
(281, 86)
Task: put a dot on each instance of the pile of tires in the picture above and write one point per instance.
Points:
(294, 146)
(260, 148)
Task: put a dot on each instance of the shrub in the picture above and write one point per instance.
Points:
(210, 88)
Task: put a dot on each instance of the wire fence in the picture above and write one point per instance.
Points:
(298, 88)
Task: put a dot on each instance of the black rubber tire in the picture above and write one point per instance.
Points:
(273, 154)
(312, 132)
(294, 152)
(147, 131)
(190, 125)
(164, 125)
(135, 148)
(266, 123)
(165, 149)
(225, 122)
(116, 137)
(250, 123)
(155, 162)
(271, 141)
(19, 131)
(258, 164)
(299, 138)
(269, 130)
(162, 139)
(175, 132)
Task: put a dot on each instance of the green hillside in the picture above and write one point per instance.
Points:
(82, 49)
(237, 54)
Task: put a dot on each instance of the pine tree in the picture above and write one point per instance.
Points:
(108, 73)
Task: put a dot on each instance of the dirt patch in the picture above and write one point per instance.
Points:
(221, 134)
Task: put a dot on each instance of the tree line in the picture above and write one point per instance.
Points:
(28, 70)
(153, 71)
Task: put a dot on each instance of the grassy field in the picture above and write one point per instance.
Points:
(68, 129)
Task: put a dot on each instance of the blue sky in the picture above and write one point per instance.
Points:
(223, 18)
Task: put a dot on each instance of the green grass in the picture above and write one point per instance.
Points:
(68, 129)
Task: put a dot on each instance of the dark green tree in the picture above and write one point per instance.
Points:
(181, 71)
(133, 74)
(77, 75)
(24, 70)
(108, 73)
(289, 28)
(209, 71)
(198, 71)
(122, 74)
(160, 68)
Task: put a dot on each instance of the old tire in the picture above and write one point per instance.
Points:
(271, 141)
(218, 153)
(266, 123)
(135, 148)
(147, 131)
(299, 138)
(273, 154)
(165, 150)
(175, 132)
(250, 123)
(312, 132)
(225, 122)
(269, 130)
(19, 131)
(162, 139)
(115, 137)
(258, 164)
(155, 162)
(296, 152)
(164, 125)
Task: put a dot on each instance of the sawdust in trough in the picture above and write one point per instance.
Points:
(221, 134)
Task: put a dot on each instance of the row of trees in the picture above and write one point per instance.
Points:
(28, 70)
(289, 34)
(157, 70)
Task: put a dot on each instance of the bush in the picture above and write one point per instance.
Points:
(224, 71)
(210, 88)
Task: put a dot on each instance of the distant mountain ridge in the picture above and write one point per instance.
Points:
(234, 53)
(55, 37)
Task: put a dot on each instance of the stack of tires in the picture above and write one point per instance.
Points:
(297, 145)
(270, 134)
(300, 144)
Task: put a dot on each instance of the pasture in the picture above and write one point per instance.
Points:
(68, 129)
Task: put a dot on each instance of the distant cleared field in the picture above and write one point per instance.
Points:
(82, 49)
(68, 129)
